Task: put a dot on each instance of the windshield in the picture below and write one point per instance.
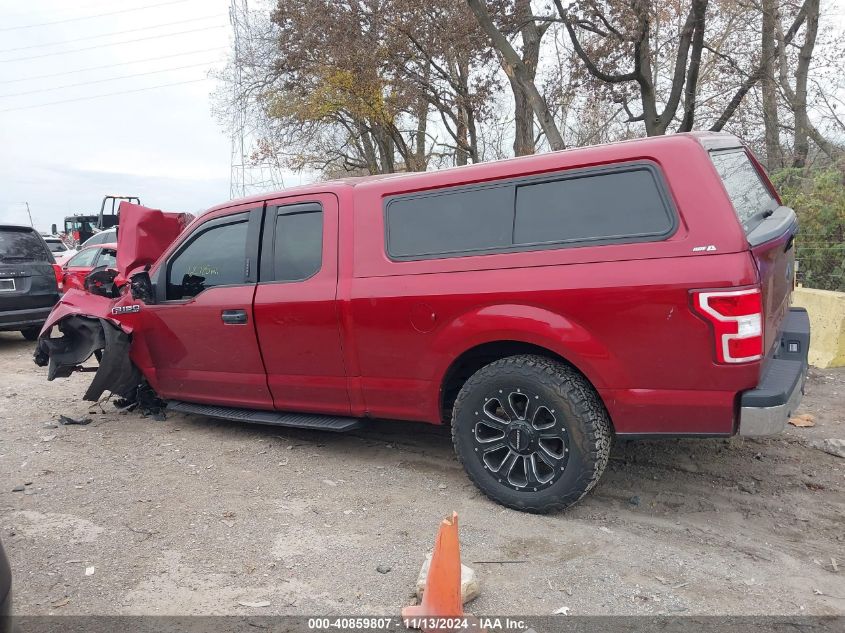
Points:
(750, 196)
(22, 244)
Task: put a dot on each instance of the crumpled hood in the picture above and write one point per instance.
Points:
(144, 234)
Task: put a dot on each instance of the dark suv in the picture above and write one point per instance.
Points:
(28, 287)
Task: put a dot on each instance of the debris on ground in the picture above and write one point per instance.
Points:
(832, 446)
(383, 569)
(89, 571)
(65, 421)
(803, 420)
(469, 583)
(562, 611)
(18, 488)
(145, 401)
(635, 500)
(254, 605)
(747, 486)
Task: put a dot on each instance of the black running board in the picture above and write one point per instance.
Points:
(317, 422)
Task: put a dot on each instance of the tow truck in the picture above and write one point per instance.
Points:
(80, 227)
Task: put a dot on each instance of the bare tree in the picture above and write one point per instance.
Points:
(518, 73)
(768, 83)
(615, 41)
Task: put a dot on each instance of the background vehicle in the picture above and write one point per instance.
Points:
(110, 208)
(87, 259)
(81, 227)
(61, 252)
(539, 304)
(28, 280)
(107, 236)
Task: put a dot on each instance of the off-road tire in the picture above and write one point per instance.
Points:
(587, 427)
(31, 333)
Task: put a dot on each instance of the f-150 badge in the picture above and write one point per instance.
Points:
(126, 309)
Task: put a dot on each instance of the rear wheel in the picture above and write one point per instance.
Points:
(531, 433)
(31, 333)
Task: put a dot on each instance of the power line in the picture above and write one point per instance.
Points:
(94, 37)
(100, 96)
(91, 17)
(137, 61)
(101, 81)
(90, 48)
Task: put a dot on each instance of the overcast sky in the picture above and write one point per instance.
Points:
(161, 144)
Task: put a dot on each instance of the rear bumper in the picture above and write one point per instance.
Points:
(19, 319)
(766, 409)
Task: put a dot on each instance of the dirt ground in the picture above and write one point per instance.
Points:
(129, 515)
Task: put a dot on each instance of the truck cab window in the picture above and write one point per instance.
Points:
(298, 247)
(216, 257)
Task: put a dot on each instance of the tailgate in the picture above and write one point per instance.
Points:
(27, 285)
(775, 260)
(770, 229)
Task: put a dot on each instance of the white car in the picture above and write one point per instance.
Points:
(61, 253)
(107, 236)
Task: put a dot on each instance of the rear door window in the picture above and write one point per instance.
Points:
(22, 244)
(298, 242)
(751, 198)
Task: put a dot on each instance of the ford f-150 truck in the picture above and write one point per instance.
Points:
(539, 306)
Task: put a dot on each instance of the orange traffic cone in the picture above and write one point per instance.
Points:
(442, 595)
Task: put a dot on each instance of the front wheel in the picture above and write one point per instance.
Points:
(31, 333)
(531, 433)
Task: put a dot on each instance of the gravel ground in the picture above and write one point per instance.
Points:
(129, 515)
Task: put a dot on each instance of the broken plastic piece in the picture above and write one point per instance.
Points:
(82, 336)
(65, 420)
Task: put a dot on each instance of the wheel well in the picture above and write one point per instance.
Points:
(474, 359)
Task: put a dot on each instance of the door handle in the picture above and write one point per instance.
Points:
(234, 317)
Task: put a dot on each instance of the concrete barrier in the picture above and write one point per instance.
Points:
(827, 322)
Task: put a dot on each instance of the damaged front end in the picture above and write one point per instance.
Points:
(85, 333)
(83, 337)
(99, 321)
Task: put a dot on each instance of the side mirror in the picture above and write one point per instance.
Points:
(141, 287)
(54, 230)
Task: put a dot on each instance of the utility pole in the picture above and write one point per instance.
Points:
(31, 223)
(247, 175)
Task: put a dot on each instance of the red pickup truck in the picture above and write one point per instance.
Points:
(539, 305)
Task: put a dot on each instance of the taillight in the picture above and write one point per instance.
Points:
(737, 320)
(60, 274)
